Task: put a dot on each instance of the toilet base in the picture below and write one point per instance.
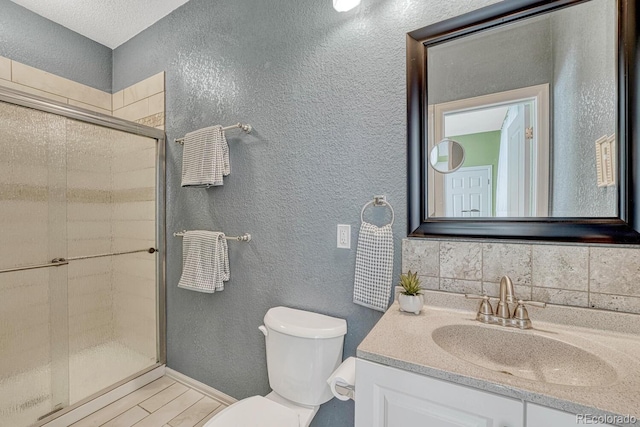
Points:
(306, 413)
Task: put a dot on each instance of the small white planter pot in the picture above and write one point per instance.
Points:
(411, 303)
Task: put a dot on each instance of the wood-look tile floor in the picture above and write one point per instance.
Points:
(162, 403)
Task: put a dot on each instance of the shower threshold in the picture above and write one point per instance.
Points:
(26, 397)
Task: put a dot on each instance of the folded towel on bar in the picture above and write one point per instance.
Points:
(205, 261)
(205, 159)
(374, 266)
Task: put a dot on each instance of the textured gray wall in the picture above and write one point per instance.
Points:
(584, 98)
(38, 42)
(495, 61)
(325, 93)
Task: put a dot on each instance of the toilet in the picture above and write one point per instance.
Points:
(303, 350)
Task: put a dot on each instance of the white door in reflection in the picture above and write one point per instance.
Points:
(515, 188)
(468, 192)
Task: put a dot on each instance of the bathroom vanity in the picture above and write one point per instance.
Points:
(444, 368)
(540, 179)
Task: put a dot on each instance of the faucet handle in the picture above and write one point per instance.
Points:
(521, 313)
(533, 303)
(485, 308)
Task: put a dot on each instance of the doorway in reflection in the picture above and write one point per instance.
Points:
(505, 172)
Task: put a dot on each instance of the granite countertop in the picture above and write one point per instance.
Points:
(404, 341)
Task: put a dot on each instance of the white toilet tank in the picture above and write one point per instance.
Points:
(303, 349)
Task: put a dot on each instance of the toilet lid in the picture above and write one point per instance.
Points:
(256, 411)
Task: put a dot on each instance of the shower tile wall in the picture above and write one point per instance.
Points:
(88, 233)
(25, 299)
(142, 102)
(108, 298)
(134, 213)
(111, 207)
(17, 76)
(24, 308)
(558, 274)
(134, 228)
(24, 201)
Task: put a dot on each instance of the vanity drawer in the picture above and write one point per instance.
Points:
(390, 397)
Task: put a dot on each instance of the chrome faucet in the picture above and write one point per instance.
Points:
(519, 319)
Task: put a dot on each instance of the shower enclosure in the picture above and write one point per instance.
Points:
(81, 255)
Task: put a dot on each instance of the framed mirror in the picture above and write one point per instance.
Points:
(542, 97)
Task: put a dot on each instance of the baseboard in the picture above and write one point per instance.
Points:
(201, 387)
(93, 404)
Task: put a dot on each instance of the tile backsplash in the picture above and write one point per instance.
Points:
(583, 276)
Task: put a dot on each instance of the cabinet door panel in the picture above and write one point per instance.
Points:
(390, 397)
(541, 416)
(401, 409)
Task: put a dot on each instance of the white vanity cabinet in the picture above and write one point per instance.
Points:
(390, 397)
(541, 416)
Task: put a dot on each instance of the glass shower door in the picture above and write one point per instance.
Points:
(111, 189)
(34, 349)
(78, 285)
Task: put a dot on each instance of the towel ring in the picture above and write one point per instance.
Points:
(378, 201)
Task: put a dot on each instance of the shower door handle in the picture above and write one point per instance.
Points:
(56, 262)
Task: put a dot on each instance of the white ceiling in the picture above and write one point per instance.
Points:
(484, 120)
(109, 22)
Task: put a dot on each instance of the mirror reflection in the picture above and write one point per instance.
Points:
(529, 105)
(447, 156)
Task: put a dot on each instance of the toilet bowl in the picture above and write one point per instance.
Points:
(303, 349)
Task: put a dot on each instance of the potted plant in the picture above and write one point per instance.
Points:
(410, 297)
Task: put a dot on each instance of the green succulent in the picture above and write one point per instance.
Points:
(410, 283)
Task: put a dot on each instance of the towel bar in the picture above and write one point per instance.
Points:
(246, 237)
(245, 128)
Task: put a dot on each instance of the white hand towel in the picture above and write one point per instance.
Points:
(205, 261)
(374, 266)
(205, 158)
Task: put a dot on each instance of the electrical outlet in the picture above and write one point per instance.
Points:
(344, 236)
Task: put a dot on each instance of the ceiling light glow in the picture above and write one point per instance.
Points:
(345, 5)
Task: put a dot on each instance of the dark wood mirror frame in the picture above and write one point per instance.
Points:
(623, 229)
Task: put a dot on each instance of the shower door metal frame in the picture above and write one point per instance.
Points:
(42, 104)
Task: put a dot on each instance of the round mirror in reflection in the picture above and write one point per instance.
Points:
(447, 156)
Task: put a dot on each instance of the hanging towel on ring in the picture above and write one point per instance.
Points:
(374, 266)
(205, 159)
(205, 261)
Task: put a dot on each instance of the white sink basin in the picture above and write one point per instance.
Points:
(525, 354)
